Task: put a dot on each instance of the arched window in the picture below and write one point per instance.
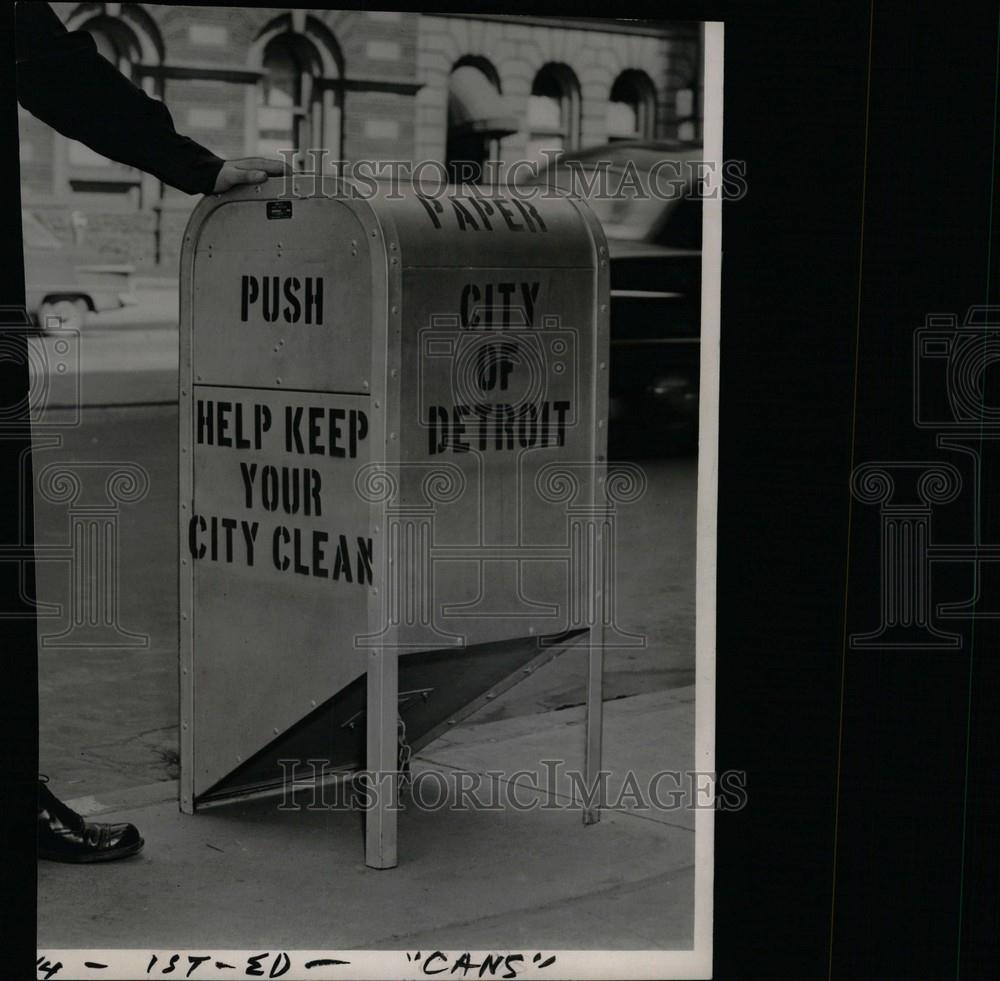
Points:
(553, 111)
(296, 110)
(478, 119)
(632, 107)
(285, 106)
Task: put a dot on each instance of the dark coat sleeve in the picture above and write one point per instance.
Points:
(65, 82)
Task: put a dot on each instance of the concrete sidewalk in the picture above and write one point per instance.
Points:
(249, 875)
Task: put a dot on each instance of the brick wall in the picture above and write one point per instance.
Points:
(216, 36)
(378, 126)
(517, 51)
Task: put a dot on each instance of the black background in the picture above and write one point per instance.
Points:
(869, 846)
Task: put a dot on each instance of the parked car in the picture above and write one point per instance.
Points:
(65, 284)
(654, 239)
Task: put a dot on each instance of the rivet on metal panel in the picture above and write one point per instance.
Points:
(531, 630)
(392, 435)
(354, 243)
(395, 309)
(374, 233)
(394, 260)
(374, 591)
(277, 381)
(184, 507)
(239, 759)
(377, 404)
(183, 391)
(184, 561)
(451, 722)
(184, 725)
(312, 702)
(184, 449)
(490, 694)
(184, 616)
(375, 529)
(364, 383)
(603, 366)
(604, 307)
(392, 373)
(392, 246)
(602, 250)
(184, 670)
(198, 377)
(275, 730)
(600, 423)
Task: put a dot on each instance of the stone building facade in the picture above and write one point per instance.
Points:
(361, 84)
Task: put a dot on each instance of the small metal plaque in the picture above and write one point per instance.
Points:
(279, 209)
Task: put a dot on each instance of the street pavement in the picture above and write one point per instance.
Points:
(121, 357)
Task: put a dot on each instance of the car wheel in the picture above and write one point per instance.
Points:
(71, 314)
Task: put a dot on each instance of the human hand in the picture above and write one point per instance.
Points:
(248, 170)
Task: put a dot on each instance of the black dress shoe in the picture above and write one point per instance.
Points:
(64, 836)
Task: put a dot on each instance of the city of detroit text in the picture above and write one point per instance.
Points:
(507, 310)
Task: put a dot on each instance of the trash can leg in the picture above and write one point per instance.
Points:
(382, 741)
(595, 717)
